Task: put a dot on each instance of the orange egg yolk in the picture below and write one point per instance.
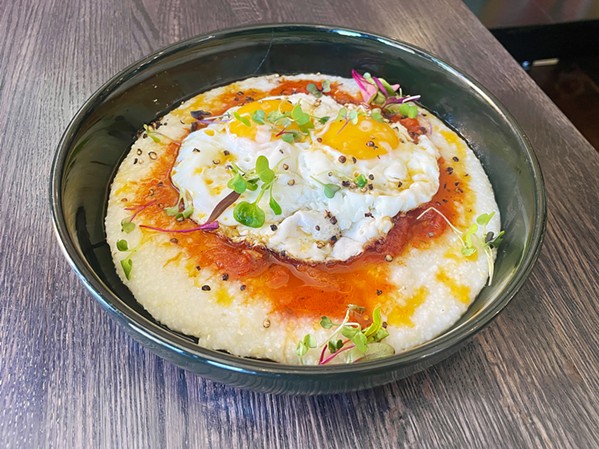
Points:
(366, 139)
(246, 111)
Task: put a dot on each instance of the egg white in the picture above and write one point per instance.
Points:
(311, 227)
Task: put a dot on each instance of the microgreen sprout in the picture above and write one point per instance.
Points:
(349, 338)
(127, 265)
(470, 239)
(313, 89)
(127, 224)
(304, 345)
(122, 245)
(361, 180)
(242, 119)
(389, 98)
(175, 211)
(377, 115)
(280, 122)
(408, 109)
(329, 189)
(246, 213)
(155, 135)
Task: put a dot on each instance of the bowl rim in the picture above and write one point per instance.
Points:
(157, 334)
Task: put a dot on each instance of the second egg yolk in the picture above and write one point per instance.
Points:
(366, 139)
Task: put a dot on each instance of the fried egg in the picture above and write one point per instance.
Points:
(338, 185)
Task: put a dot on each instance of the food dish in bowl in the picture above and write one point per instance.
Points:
(363, 219)
(106, 126)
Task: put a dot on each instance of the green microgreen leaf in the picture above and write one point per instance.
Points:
(310, 341)
(469, 233)
(332, 347)
(252, 184)
(350, 331)
(381, 334)
(389, 90)
(242, 119)
(408, 110)
(187, 212)
(360, 341)
(484, 219)
(127, 265)
(304, 345)
(263, 171)
(249, 214)
(152, 134)
(323, 120)
(287, 137)
(311, 88)
(172, 211)
(122, 245)
(330, 190)
(127, 225)
(299, 116)
(237, 183)
(353, 117)
(377, 323)
(258, 116)
(274, 116)
(467, 251)
(326, 322)
(274, 206)
(361, 180)
(497, 240)
(377, 115)
(326, 86)
(342, 114)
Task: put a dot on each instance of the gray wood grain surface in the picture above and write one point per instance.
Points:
(69, 377)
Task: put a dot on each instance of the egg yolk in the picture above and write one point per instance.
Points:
(246, 111)
(366, 139)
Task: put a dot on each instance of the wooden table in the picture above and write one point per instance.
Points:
(70, 378)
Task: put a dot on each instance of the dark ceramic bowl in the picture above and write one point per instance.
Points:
(103, 130)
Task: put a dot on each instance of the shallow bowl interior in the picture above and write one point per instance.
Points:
(103, 130)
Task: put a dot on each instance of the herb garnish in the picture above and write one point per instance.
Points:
(155, 135)
(250, 214)
(127, 224)
(175, 211)
(471, 241)
(357, 344)
(389, 98)
(127, 265)
(329, 189)
(281, 122)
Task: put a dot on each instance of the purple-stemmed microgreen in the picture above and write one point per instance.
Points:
(127, 224)
(175, 211)
(349, 339)
(471, 241)
(389, 98)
